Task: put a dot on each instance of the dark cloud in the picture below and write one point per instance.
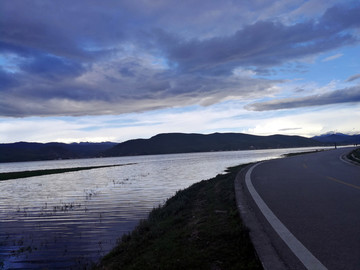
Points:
(340, 17)
(353, 78)
(346, 95)
(67, 29)
(52, 67)
(289, 129)
(265, 43)
(107, 89)
(108, 57)
(7, 80)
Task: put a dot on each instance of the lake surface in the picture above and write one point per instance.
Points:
(69, 220)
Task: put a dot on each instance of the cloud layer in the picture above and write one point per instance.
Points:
(346, 95)
(91, 58)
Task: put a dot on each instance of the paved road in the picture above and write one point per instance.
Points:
(316, 198)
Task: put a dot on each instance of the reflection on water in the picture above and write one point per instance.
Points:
(69, 220)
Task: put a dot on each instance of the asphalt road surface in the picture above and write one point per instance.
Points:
(312, 202)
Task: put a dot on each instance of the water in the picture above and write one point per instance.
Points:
(69, 220)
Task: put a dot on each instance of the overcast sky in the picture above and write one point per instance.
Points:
(90, 70)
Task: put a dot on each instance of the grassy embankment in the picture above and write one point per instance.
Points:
(198, 228)
(23, 174)
(355, 155)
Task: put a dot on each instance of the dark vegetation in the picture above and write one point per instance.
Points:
(198, 228)
(188, 143)
(355, 155)
(23, 174)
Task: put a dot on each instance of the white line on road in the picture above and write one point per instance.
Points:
(343, 158)
(300, 251)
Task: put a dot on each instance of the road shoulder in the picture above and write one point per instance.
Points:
(268, 255)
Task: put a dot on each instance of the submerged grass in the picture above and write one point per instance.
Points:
(198, 228)
(24, 174)
(302, 153)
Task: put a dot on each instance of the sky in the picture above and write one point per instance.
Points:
(115, 70)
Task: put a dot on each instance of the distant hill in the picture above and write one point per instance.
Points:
(338, 138)
(188, 143)
(25, 151)
(167, 143)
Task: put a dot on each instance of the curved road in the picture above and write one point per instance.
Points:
(310, 205)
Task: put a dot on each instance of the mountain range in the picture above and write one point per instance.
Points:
(189, 143)
(26, 151)
(338, 138)
(167, 143)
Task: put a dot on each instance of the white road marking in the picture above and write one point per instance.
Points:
(300, 251)
(343, 158)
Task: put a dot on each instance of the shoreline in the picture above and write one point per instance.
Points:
(174, 153)
(198, 228)
(208, 186)
(169, 225)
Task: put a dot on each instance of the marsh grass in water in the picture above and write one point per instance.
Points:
(198, 228)
(24, 174)
(302, 153)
